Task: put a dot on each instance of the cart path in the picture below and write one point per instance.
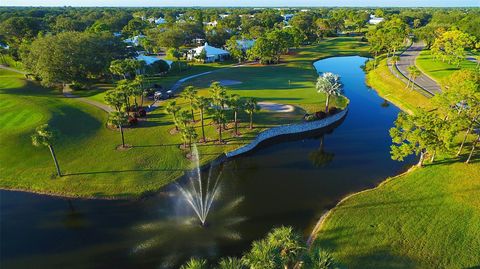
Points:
(407, 58)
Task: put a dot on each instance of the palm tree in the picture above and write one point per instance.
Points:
(289, 244)
(115, 99)
(173, 109)
(119, 119)
(320, 259)
(189, 94)
(473, 149)
(235, 103)
(219, 119)
(414, 73)
(202, 103)
(46, 136)
(219, 96)
(329, 84)
(195, 264)
(191, 134)
(230, 263)
(126, 88)
(395, 59)
(250, 107)
(262, 255)
(138, 89)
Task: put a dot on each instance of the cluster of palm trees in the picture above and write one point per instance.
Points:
(120, 98)
(282, 248)
(413, 74)
(217, 104)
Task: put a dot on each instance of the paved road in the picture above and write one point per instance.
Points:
(407, 59)
(67, 92)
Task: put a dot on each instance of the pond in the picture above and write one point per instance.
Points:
(287, 183)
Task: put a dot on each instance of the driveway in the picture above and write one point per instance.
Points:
(407, 59)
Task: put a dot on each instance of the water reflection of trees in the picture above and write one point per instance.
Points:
(320, 157)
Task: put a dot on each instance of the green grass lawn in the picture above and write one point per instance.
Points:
(439, 70)
(87, 149)
(427, 218)
(393, 89)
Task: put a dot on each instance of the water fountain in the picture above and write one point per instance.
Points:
(199, 194)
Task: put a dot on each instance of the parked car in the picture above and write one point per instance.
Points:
(163, 95)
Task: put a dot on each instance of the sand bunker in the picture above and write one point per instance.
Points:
(276, 107)
(228, 82)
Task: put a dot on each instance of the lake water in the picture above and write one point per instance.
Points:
(286, 183)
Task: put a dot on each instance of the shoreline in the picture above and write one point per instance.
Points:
(219, 159)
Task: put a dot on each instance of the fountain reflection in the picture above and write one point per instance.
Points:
(184, 230)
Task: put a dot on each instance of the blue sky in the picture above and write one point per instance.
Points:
(396, 3)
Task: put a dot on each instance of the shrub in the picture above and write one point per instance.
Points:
(320, 115)
(310, 117)
(333, 110)
(142, 113)
(132, 120)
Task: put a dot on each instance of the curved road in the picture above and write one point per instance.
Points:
(407, 58)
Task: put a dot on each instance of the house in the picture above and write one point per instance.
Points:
(375, 20)
(160, 21)
(245, 44)
(212, 23)
(152, 59)
(4, 46)
(223, 16)
(287, 17)
(134, 40)
(117, 34)
(212, 54)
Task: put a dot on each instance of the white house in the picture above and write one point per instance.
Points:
(134, 40)
(152, 59)
(212, 23)
(223, 16)
(212, 54)
(245, 44)
(375, 20)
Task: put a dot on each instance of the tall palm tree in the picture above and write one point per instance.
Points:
(189, 94)
(329, 84)
(191, 134)
(235, 103)
(119, 119)
(251, 106)
(172, 108)
(127, 88)
(473, 149)
(414, 73)
(46, 136)
(202, 103)
(138, 89)
(219, 119)
(219, 96)
(115, 99)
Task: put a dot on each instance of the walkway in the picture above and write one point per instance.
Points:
(407, 58)
(12, 69)
(67, 92)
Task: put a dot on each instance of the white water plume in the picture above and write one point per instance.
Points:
(198, 194)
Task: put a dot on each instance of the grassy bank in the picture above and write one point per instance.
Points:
(437, 69)
(393, 89)
(426, 218)
(87, 150)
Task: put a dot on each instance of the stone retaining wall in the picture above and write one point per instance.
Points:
(288, 129)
